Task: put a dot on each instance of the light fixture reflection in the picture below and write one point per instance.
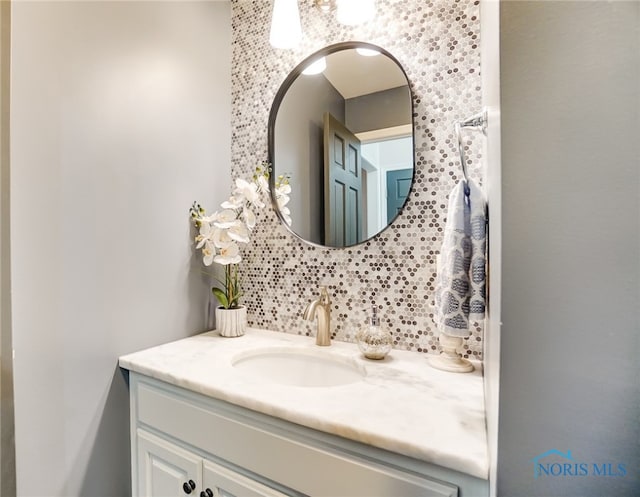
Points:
(316, 67)
(354, 12)
(324, 5)
(285, 24)
(367, 52)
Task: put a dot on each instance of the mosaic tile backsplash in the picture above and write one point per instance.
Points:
(437, 43)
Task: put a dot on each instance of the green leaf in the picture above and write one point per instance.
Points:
(221, 296)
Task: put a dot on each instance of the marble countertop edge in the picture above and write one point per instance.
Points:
(423, 413)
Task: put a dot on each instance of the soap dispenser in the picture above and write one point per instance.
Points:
(373, 340)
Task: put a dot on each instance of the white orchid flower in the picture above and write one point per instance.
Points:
(282, 195)
(204, 234)
(249, 217)
(221, 238)
(282, 200)
(225, 219)
(208, 252)
(263, 183)
(228, 255)
(284, 189)
(286, 215)
(221, 232)
(201, 240)
(249, 191)
(239, 232)
(232, 203)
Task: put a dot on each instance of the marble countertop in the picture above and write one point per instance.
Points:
(402, 404)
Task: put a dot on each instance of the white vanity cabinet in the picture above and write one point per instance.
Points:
(187, 443)
(168, 470)
(165, 469)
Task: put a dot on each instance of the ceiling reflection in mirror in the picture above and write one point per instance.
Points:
(341, 135)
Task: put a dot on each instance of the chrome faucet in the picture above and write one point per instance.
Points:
(321, 307)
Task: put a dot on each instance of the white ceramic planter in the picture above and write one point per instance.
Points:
(231, 322)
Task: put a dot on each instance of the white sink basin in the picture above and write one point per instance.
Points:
(299, 367)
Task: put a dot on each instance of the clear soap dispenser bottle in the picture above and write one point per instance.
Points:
(373, 340)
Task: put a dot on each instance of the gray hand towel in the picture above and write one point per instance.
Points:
(460, 282)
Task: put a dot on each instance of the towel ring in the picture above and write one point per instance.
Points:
(477, 123)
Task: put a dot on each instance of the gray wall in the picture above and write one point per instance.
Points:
(299, 149)
(570, 79)
(382, 109)
(120, 119)
(7, 447)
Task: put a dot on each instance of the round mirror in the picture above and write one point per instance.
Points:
(341, 145)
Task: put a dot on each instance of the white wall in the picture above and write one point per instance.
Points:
(570, 341)
(120, 119)
(381, 157)
(492, 180)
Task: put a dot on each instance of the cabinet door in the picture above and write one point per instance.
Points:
(166, 470)
(223, 482)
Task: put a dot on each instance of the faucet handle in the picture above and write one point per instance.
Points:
(324, 295)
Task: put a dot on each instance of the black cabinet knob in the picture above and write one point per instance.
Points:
(206, 493)
(189, 486)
